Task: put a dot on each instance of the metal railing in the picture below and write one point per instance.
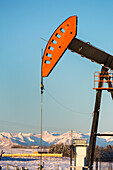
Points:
(106, 78)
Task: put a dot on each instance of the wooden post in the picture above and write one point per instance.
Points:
(71, 150)
(17, 168)
(7, 166)
(57, 167)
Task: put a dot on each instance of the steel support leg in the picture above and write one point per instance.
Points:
(92, 143)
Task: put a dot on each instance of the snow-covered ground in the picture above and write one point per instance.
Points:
(32, 163)
(49, 163)
(103, 166)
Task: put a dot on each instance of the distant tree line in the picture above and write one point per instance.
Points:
(24, 147)
(60, 148)
(103, 153)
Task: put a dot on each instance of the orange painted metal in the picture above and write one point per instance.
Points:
(58, 43)
(103, 77)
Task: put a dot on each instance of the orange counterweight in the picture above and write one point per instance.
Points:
(58, 43)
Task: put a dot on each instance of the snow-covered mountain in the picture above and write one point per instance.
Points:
(27, 139)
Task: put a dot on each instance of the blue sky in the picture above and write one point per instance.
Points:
(68, 98)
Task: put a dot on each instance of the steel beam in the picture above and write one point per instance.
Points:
(103, 134)
(85, 49)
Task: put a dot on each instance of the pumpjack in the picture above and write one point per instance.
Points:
(64, 38)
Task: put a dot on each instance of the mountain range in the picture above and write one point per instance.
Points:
(28, 139)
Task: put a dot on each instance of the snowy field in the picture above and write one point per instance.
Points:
(32, 163)
(49, 163)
